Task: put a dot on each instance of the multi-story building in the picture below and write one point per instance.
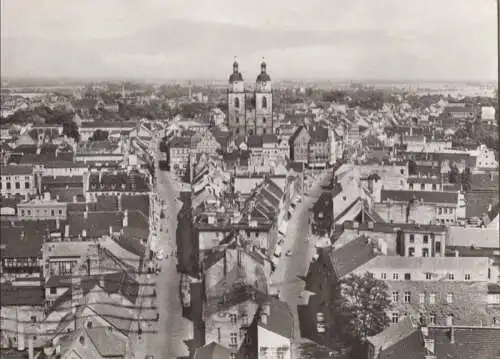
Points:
(42, 208)
(17, 180)
(299, 145)
(179, 149)
(250, 112)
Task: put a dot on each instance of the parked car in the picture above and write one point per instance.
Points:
(320, 322)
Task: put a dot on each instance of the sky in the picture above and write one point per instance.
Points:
(199, 39)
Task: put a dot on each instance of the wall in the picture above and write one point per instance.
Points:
(396, 212)
(26, 185)
(272, 341)
(469, 306)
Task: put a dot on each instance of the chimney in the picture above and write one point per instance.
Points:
(66, 231)
(263, 318)
(125, 218)
(31, 353)
(452, 335)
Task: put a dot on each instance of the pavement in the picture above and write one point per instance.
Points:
(287, 278)
(165, 337)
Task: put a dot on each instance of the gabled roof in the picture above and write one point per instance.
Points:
(396, 335)
(21, 295)
(280, 319)
(351, 256)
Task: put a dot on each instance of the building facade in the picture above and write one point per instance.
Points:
(250, 112)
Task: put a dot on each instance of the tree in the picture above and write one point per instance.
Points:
(99, 135)
(453, 177)
(466, 179)
(412, 167)
(364, 306)
(70, 129)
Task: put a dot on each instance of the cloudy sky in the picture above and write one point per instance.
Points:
(300, 39)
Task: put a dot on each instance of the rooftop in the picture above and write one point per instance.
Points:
(473, 237)
(425, 196)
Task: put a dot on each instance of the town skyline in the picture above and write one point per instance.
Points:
(392, 40)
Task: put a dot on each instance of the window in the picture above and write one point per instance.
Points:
(402, 171)
(264, 120)
(89, 324)
(412, 238)
(234, 338)
(18, 185)
(411, 185)
(422, 186)
(494, 320)
(264, 102)
(237, 119)
(432, 298)
(395, 317)
(407, 276)
(426, 238)
(60, 211)
(425, 252)
(449, 298)
(22, 212)
(395, 276)
(395, 297)
(421, 298)
(467, 276)
(432, 318)
(451, 276)
(440, 210)
(26, 185)
(407, 297)
(53, 290)
(52, 212)
(383, 276)
(8, 185)
(33, 319)
(29, 212)
(411, 252)
(449, 320)
(434, 187)
(438, 247)
(233, 318)
(237, 102)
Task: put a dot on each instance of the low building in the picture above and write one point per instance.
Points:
(17, 180)
(42, 208)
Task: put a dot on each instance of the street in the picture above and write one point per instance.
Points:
(168, 334)
(286, 279)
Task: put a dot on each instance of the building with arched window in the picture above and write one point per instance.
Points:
(250, 112)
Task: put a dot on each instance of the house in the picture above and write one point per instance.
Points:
(17, 180)
(299, 145)
(87, 129)
(412, 340)
(178, 151)
(319, 147)
(421, 207)
(42, 208)
(488, 115)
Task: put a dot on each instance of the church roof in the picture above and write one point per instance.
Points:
(263, 77)
(235, 76)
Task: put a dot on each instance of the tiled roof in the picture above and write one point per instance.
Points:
(280, 318)
(62, 180)
(470, 343)
(254, 141)
(426, 196)
(382, 227)
(319, 133)
(16, 170)
(19, 242)
(351, 256)
(395, 334)
(21, 295)
(476, 202)
(96, 224)
(477, 237)
(107, 342)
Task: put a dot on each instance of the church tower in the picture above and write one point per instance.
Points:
(263, 103)
(236, 102)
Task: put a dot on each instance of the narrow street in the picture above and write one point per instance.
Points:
(172, 328)
(287, 278)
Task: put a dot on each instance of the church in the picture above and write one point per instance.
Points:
(250, 112)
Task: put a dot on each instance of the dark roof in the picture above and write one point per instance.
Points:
(254, 141)
(426, 196)
(484, 181)
(324, 204)
(21, 295)
(269, 138)
(476, 202)
(235, 76)
(319, 133)
(280, 318)
(382, 227)
(296, 134)
(263, 77)
(470, 343)
(16, 170)
(351, 256)
(19, 242)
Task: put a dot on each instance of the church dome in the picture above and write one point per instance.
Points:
(236, 75)
(263, 76)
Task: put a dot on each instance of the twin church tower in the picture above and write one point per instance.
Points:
(250, 112)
